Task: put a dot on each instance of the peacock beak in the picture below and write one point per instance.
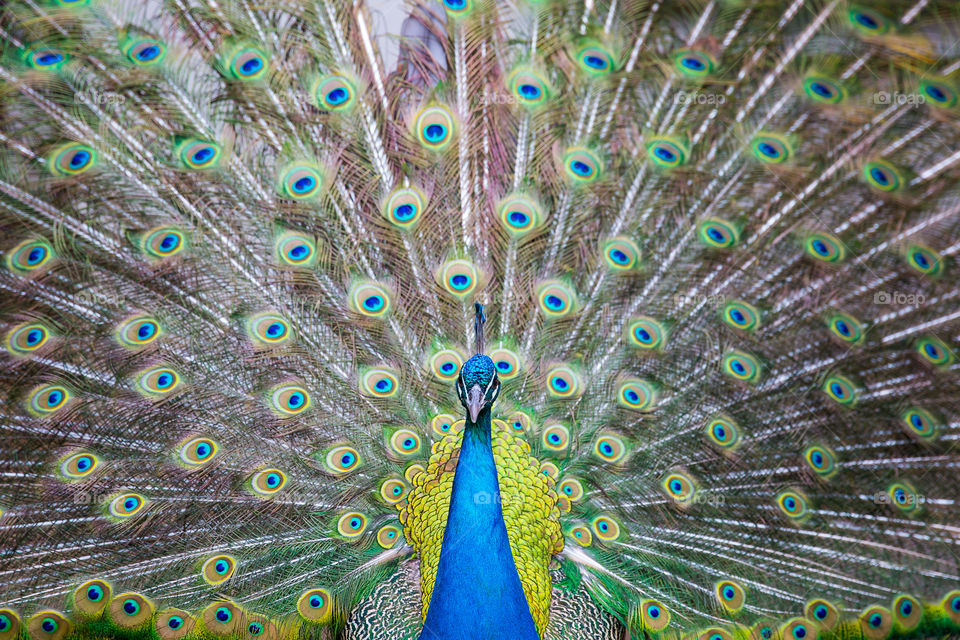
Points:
(474, 402)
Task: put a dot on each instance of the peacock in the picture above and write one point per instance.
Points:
(570, 320)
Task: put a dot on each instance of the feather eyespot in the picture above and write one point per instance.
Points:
(506, 362)
(695, 64)
(562, 382)
(920, 422)
(742, 366)
(393, 490)
(78, 465)
(315, 605)
(904, 497)
(730, 595)
(248, 63)
(334, 93)
(924, 260)
(646, 333)
(556, 438)
(520, 215)
(654, 616)
(91, 598)
(741, 315)
(841, 390)
(846, 328)
(882, 176)
(582, 535)
(519, 422)
(296, 250)
(951, 606)
(352, 525)
(435, 128)
(218, 569)
(459, 277)
(198, 154)
(528, 87)
(571, 488)
(198, 451)
(146, 52)
(823, 613)
(458, 8)
(156, 382)
(269, 329)
(793, 504)
(48, 625)
(907, 612)
(388, 536)
(798, 629)
(639, 395)
(556, 299)
(581, 165)
(24, 339)
(714, 633)
(606, 528)
(404, 207)
(718, 233)
(300, 181)
(550, 469)
(442, 424)
(445, 364)
(72, 159)
(666, 153)
(723, 432)
(164, 242)
(46, 58)
(938, 94)
(221, 618)
(290, 400)
(29, 257)
(771, 149)
(934, 351)
(47, 399)
(821, 461)
(595, 59)
(138, 331)
(370, 299)
(680, 488)
(379, 383)
(867, 21)
(342, 459)
(876, 623)
(405, 442)
(825, 247)
(126, 505)
(621, 254)
(268, 482)
(610, 448)
(822, 89)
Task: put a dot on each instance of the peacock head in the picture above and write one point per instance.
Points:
(478, 385)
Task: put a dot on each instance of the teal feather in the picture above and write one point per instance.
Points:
(716, 244)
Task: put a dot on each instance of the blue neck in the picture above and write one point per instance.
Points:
(477, 594)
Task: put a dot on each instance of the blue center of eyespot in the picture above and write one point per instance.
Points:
(554, 438)
(455, 4)
(720, 432)
(728, 593)
(273, 480)
(955, 604)
(715, 234)
(79, 159)
(738, 367)
(632, 396)
(554, 302)
(676, 486)
(906, 608)
(337, 96)
(799, 631)
(48, 625)
(47, 59)
(448, 367)
(355, 523)
(174, 622)
(170, 242)
(397, 490)
(34, 336)
(876, 620)
(931, 351)
(460, 281)
(665, 154)
(503, 365)
(606, 448)
(130, 504)
(766, 633)
(223, 614)
(518, 219)
(296, 399)
(879, 176)
(255, 628)
(866, 20)
(164, 380)
(304, 184)
(653, 612)
(54, 398)
(221, 566)
(603, 526)
(619, 256)
(276, 329)
(315, 602)
(404, 212)
(84, 463)
(921, 260)
(560, 384)
(145, 330)
(94, 594)
(36, 255)
(148, 53)
(4, 622)
(581, 168)
(768, 150)
(409, 443)
(203, 450)
(821, 89)
(383, 384)
(299, 252)
(595, 62)
(435, 132)
(820, 247)
(900, 496)
(820, 612)
(693, 63)
(373, 303)
(843, 328)
(916, 421)
(838, 390)
(936, 93)
(737, 316)
(530, 91)
(130, 606)
(346, 459)
(203, 155)
(643, 335)
(568, 489)
(251, 66)
(817, 459)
